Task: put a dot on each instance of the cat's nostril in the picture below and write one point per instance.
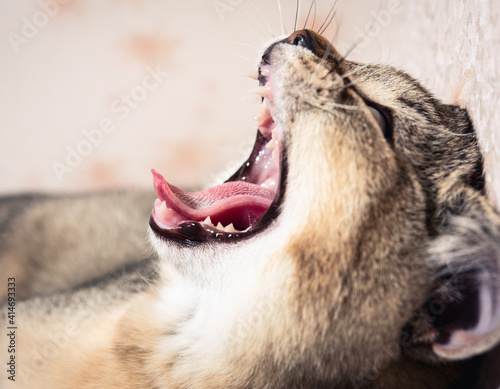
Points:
(266, 58)
(300, 40)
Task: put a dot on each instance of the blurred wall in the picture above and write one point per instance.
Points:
(95, 93)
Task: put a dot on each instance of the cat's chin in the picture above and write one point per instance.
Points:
(215, 263)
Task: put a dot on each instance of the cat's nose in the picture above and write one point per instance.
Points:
(317, 44)
(266, 58)
(301, 38)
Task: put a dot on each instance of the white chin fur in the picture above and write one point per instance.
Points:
(193, 296)
(218, 263)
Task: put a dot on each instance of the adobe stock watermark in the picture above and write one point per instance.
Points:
(221, 7)
(380, 20)
(31, 27)
(122, 106)
(56, 342)
(247, 325)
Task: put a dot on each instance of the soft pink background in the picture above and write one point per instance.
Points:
(196, 124)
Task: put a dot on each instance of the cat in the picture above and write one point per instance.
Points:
(355, 248)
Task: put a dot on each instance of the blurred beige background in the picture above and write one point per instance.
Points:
(95, 93)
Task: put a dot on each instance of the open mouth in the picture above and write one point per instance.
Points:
(244, 204)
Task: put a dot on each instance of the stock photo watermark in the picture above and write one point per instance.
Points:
(31, 27)
(122, 107)
(11, 328)
(247, 324)
(381, 19)
(222, 7)
(56, 343)
(56, 340)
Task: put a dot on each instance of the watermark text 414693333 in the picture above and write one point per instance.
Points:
(11, 329)
(379, 21)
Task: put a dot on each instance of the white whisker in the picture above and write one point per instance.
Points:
(257, 22)
(336, 105)
(313, 2)
(252, 31)
(245, 45)
(243, 57)
(296, 16)
(320, 30)
(283, 30)
(345, 75)
(263, 17)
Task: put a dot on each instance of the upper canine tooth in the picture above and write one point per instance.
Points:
(254, 75)
(261, 91)
(271, 144)
(164, 210)
(263, 115)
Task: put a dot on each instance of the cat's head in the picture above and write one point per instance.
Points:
(361, 215)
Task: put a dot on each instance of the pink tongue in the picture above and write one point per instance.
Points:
(236, 202)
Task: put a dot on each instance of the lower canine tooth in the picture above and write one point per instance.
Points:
(208, 222)
(230, 228)
(261, 91)
(163, 208)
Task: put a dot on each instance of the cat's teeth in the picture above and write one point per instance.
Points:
(230, 228)
(271, 145)
(263, 115)
(164, 211)
(261, 91)
(208, 222)
(265, 71)
(254, 75)
(219, 226)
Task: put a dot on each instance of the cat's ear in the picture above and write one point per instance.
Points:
(461, 318)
